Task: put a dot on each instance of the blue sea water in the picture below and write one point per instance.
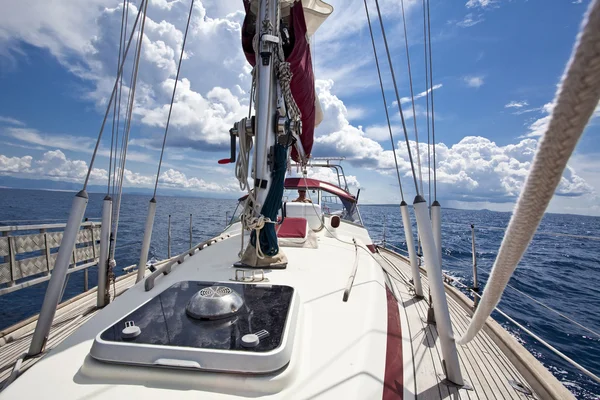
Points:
(562, 272)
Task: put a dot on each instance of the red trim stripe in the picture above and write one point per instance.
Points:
(393, 385)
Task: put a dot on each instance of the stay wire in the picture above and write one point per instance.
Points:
(128, 120)
(432, 108)
(173, 96)
(387, 50)
(387, 116)
(112, 138)
(412, 96)
(427, 101)
(87, 177)
(115, 175)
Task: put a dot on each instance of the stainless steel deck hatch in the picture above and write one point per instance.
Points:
(212, 326)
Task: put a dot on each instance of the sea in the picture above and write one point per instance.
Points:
(560, 271)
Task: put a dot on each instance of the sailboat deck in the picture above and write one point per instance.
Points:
(484, 366)
(73, 313)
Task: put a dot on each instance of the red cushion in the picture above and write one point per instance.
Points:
(292, 228)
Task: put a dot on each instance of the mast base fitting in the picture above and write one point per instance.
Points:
(250, 260)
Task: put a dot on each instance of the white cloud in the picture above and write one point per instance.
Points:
(469, 20)
(538, 127)
(10, 121)
(176, 179)
(516, 104)
(474, 81)
(474, 169)
(405, 100)
(14, 164)
(69, 142)
(328, 175)
(55, 165)
(479, 3)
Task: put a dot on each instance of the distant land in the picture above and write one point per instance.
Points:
(8, 182)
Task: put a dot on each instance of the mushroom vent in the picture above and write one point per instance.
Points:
(214, 302)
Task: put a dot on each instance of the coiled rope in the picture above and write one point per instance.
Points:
(576, 99)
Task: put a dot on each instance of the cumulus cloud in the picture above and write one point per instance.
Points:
(474, 169)
(474, 81)
(176, 179)
(14, 164)
(55, 165)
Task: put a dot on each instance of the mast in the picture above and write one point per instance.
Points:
(267, 25)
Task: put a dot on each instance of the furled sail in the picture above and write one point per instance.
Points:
(302, 19)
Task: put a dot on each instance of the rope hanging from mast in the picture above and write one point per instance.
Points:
(575, 101)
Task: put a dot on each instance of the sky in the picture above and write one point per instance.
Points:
(496, 66)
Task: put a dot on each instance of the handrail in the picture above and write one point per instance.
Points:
(16, 228)
(165, 269)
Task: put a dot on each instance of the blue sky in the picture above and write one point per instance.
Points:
(496, 67)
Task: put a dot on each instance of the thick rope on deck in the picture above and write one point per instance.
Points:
(575, 101)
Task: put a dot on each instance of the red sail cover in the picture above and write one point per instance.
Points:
(303, 80)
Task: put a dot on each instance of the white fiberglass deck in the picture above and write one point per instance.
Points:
(341, 349)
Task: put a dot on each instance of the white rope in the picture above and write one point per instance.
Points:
(576, 99)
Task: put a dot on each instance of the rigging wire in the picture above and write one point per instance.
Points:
(498, 228)
(173, 96)
(412, 96)
(427, 101)
(112, 95)
(387, 50)
(131, 99)
(432, 108)
(115, 175)
(112, 138)
(387, 115)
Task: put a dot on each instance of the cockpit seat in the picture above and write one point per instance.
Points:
(309, 211)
